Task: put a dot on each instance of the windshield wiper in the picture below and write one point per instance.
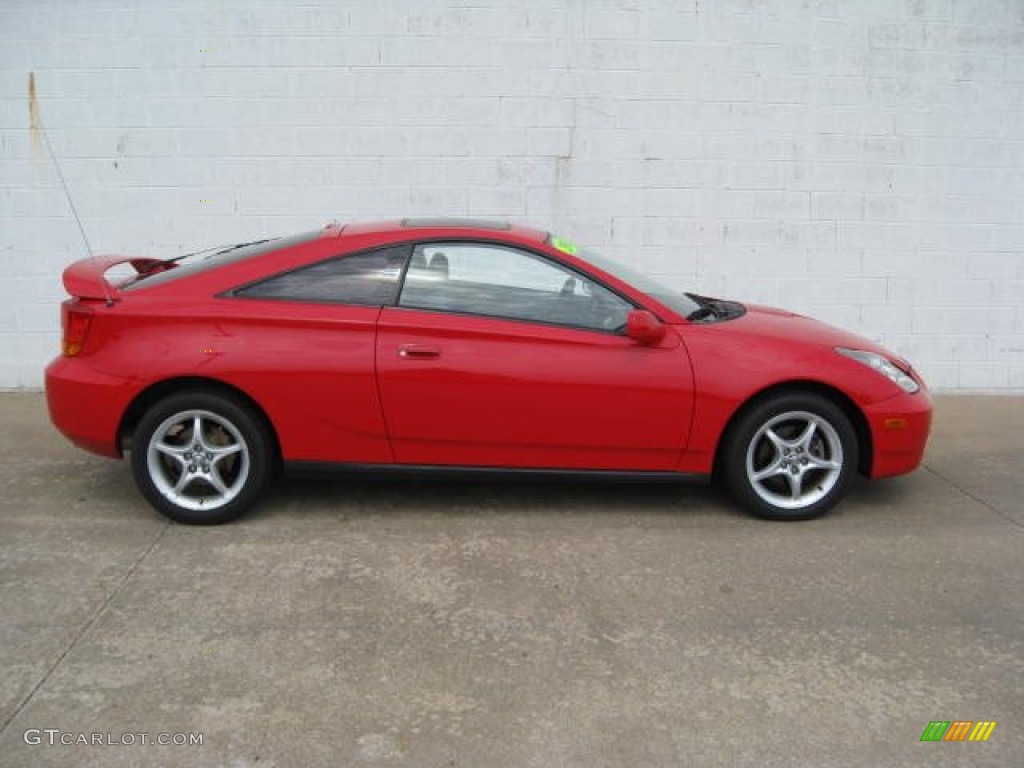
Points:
(708, 308)
(716, 309)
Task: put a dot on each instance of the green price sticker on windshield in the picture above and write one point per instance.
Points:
(564, 245)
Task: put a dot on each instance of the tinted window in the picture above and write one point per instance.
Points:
(481, 279)
(363, 278)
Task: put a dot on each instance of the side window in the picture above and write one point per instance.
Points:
(497, 281)
(363, 278)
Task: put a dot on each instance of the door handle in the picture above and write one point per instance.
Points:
(418, 351)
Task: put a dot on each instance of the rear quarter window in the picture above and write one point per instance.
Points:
(369, 279)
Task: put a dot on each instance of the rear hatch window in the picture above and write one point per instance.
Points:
(200, 261)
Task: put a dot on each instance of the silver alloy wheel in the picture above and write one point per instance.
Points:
(198, 460)
(794, 460)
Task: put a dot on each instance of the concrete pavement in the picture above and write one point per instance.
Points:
(383, 623)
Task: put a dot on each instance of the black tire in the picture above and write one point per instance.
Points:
(788, 478)
(199, 466)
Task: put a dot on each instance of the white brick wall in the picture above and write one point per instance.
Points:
(861, 161)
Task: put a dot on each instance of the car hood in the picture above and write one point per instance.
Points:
(792, 328)
(765, 346)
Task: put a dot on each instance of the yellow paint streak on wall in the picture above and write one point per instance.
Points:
(35, 122)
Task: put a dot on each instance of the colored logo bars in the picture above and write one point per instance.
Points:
(958, 730)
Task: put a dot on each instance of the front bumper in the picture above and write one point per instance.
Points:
(86, 405)
(899, 432)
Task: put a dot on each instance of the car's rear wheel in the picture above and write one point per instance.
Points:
(790, 457)
(201, 458)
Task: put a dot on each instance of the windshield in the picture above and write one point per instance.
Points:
(675, 300)
(192, 263)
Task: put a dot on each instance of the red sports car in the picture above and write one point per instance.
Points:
(450, 344)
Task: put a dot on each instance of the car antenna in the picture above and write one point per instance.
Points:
(37, 121)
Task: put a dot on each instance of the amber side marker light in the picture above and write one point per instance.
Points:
(895, 423)
(75, 322)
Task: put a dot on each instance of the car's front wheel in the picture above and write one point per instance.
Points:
(790, 457)
(201, 458)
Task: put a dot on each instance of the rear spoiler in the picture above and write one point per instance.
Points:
(84, 279)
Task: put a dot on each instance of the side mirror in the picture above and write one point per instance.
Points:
(643, 327)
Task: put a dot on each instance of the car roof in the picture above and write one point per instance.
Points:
(433, 227)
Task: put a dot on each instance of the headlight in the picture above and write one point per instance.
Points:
(896, 375)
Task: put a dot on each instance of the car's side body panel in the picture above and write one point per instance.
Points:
(475, 391)
(309, 367)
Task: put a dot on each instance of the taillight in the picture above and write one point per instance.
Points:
(75, 321)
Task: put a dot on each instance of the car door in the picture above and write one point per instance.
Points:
(497, 356)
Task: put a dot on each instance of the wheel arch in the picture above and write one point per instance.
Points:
(161, 389)
(853, 412)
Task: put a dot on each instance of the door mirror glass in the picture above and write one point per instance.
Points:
(642, 326)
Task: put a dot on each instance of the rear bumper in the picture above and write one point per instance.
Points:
(899, 433)
(86, 405)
